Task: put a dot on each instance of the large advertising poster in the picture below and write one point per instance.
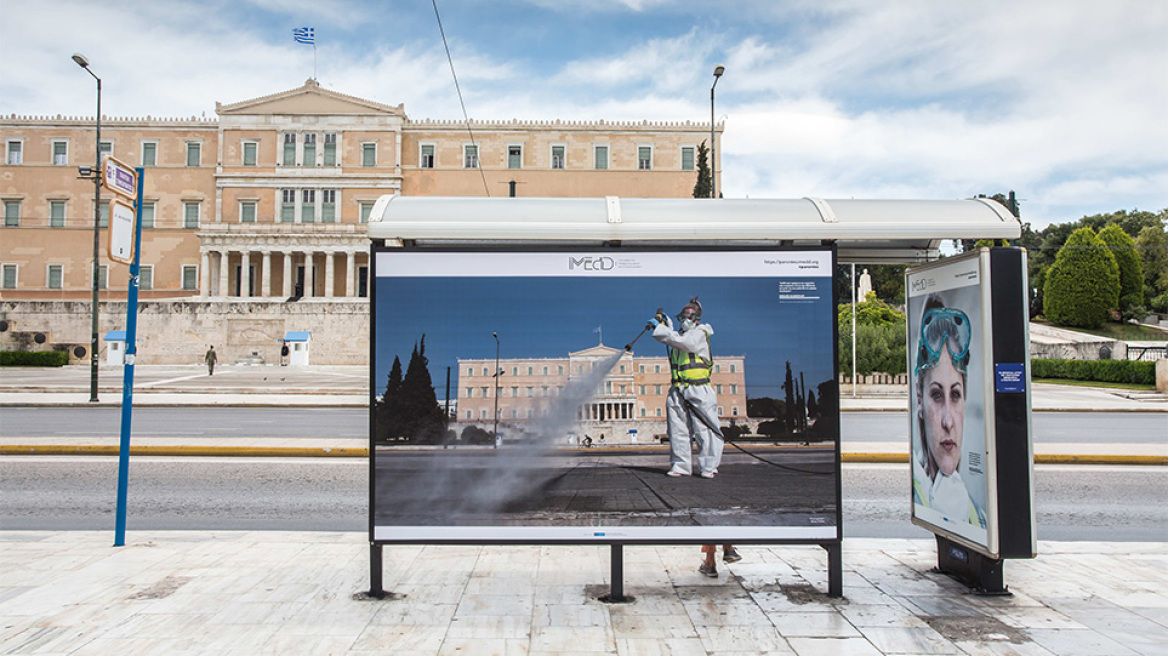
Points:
(948, 349)
(613, 396)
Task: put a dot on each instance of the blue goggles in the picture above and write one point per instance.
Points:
(944, 328)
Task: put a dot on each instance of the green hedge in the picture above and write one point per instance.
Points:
(33, 358)
(1106, 371)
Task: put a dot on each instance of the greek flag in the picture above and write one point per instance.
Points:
(305, 35)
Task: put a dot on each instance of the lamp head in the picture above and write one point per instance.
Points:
(81, 60)
(718, 70)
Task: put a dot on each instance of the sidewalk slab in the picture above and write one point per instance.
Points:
(304, 593)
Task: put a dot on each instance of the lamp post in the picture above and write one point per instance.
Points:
(84, 63)
(496, 390)
(718, 70)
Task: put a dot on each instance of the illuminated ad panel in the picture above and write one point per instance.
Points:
(948, 353)
(564, 396)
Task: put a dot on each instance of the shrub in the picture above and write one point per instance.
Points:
(1083, 283)
(1131, 274)
(879, 348)
(1104, 371)
(33, 358)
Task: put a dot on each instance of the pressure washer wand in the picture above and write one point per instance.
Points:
(629, 346)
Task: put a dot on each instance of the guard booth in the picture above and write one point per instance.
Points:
(481, 289)
(299, 344)
(115, 347)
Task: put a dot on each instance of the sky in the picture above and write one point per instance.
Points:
(1063, 101)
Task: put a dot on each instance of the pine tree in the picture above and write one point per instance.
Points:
(703, 187)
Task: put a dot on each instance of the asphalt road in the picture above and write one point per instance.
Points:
(1049, 427)
(1097, 503)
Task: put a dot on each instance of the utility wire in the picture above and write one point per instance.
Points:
(460, 100)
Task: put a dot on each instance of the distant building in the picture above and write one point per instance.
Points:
(265, 206)
(635, 389)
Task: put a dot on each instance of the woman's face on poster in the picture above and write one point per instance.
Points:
(943, 406)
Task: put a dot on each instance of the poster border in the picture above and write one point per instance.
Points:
(566, 247)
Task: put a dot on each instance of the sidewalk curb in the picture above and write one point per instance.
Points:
(363, 452)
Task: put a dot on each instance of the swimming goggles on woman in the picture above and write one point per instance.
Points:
(945, 327)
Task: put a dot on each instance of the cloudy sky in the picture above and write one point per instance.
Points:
(1064, 101)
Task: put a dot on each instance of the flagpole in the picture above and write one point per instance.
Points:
(314, 59)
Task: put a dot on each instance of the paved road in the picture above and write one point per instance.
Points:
(1102, 503)
(1049, 427)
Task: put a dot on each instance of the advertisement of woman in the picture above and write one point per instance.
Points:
(947, 399)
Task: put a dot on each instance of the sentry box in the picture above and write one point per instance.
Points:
(510, 363)
(969, 412)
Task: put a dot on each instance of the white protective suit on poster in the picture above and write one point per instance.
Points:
(691, 410)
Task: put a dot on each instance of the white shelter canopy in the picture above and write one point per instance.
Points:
(865, 231)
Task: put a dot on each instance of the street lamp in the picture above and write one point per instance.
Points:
(496, 391)
(84, 63)
(718, 70)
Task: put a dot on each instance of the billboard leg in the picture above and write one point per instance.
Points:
(375, 587)
(982, 574)
(616, 594)
(835, 569)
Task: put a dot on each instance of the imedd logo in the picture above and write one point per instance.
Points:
(590, 263)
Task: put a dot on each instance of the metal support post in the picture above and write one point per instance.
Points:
(616, 594)
(376, 590)
(835, 569)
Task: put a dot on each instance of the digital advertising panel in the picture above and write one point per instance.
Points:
(609, 396)
(953, 487)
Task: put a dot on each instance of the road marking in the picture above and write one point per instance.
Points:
(173, 380)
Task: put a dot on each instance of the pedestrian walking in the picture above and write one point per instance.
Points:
(284, 354)
(709, 567)
(210, 358)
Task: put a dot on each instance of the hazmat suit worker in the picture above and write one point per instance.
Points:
(691, 406)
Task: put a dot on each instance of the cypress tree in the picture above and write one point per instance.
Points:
(1131, 274)
(703, 186)
(1083, 283)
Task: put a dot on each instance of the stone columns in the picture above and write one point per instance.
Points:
(266, 272)
(350, 274)
(329, 273)
(287, 274)
(205, 274)
(309, 275)
(224, 274)
(245, 274)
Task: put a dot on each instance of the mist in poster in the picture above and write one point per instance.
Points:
(948, 410)
(569, 430)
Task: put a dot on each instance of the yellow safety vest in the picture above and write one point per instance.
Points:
(688, 369)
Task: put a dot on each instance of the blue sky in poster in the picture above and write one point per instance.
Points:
(549, 317)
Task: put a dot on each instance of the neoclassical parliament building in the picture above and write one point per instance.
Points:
(254, 221)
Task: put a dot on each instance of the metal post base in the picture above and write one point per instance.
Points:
(375, 587)
(835, 569)
(616, 594)
(984, 575)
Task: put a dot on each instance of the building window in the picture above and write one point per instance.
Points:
(147, 214)
(308, 206)
(470, 371)
(194, 153)
(309, 150)
(288, 206)
(734, 410)
(514, 391)
(15, 152)
(470, 392)
(658, 412)
(60, 153)
(289, 158)
(426, 158)
(531, 371)
(249, 153)
(368, 154)
(54, 275)
(687, 158)
(247, 211)
(470, 156)
(644, 158)
(190, 277)
(149, 153)
(10, 271)
(514, 157)
(601, 157)
(190, 215)
(560, 370)
(56, 214)
(146, 277)
(366, 209)
(558, 158)
(330, 149)
(733, 389)
(103, 276)
(731, 368)
(717, 389)
(103, 215)
(328, 206)
(530, 392)
(106, 148)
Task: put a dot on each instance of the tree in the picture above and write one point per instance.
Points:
(1152, 245)
(880, 338)
(703, 186)
(423, 420)
(389, 406)
(1131, 276)
(789, 387)
(1083, 284)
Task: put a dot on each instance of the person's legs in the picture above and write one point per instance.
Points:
(730, 554)
(680, 451)
(709, 444)
(709, 567)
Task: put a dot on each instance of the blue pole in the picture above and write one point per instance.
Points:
(128, 375)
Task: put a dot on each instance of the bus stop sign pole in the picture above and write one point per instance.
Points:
(128, 375)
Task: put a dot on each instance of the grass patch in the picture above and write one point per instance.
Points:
(1095, 383)
(1125, 332)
